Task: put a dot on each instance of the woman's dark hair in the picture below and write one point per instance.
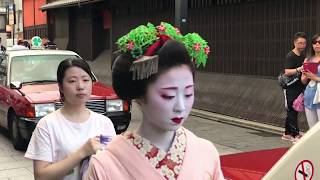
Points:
(68, 63)
(171, 54)
(299, 35)
(313, 39)
(26, 44)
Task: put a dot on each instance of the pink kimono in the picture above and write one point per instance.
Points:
(190, 157)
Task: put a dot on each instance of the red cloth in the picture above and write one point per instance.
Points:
(250, 165)
(154, 47)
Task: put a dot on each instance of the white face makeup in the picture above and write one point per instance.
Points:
(169, 99)
(76, 86)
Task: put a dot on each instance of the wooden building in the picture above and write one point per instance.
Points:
(248, 38)
(34, 20)
(79, 25)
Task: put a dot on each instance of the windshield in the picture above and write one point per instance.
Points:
(36, 67)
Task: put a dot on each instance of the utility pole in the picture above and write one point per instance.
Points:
(12, 18)
(181, 15)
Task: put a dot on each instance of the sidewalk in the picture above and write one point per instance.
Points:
(237, 121)
(101, 67)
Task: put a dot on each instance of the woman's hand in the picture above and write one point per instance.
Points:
(299, 69)
(90, 147)
(311, 76)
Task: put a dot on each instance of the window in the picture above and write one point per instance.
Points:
(35, 67)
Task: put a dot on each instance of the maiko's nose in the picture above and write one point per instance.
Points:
(180, 104)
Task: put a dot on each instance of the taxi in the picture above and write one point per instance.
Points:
(29, 91)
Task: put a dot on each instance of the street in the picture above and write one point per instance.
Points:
(227, 139)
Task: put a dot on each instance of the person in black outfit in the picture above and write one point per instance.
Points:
(293, 66)
(2, 47)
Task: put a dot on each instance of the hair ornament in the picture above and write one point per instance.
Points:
(197, 48)
(143, 41)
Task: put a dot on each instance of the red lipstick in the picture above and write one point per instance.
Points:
(177, 120)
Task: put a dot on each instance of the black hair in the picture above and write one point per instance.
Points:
(20, 42)
(299, 35)
(171, 54)
(26, 44)
(68, 63)
(114, 56)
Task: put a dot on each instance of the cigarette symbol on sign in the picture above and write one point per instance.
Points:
(304, 170)
(303, 173)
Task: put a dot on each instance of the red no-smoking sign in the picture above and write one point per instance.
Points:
(304, 170)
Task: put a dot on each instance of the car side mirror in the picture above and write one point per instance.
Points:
(15, 85)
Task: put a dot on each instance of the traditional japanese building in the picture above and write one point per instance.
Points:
(34, 20)
(248, 38)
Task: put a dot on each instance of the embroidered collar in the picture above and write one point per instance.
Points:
(168, 164)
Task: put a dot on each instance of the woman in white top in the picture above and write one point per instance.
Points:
(65, 137)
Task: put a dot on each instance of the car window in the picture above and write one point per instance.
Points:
(3, 69)
(35, 67)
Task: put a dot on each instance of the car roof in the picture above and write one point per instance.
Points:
(39, 52)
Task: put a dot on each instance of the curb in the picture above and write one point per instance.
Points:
(237, 121)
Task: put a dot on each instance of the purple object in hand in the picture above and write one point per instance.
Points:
(104, 140)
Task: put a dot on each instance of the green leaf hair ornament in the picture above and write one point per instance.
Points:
(167, 29)
(139, 40)
(197, 48)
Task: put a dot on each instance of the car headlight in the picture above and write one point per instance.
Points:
(114, 105)
(43, 109)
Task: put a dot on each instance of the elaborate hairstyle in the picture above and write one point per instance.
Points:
(149, 51)
(68, 63)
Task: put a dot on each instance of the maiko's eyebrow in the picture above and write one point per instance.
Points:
(170, 88)
(174, 88)
(189, 86)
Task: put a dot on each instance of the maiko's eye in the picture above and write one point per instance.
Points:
(167, 97)
(188, 95)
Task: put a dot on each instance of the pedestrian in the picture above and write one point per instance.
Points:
(62, 139)
(47, 44)
(26, 44)
(293, 67)
(312, 91)
(159, 75)
(3, 49)
(19, 46)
